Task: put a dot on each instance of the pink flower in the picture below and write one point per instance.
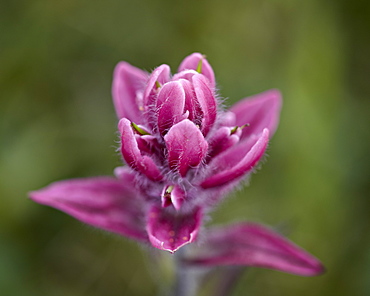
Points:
(184, 153)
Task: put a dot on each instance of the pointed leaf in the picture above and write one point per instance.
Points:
(127, 91)
(254, 245)
(102, 202)
(236, 161)
(260, 111)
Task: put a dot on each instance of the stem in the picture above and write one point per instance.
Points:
(185, 278)
(230, 277)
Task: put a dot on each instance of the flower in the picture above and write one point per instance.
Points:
(184, 153)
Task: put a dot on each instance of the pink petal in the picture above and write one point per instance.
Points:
(186, 74)
(160, 75)
(206, 100)
(227, 118)
(260, 111)
(124, 174)
(170, 105)
(170, 231)
(191, 62)
(172, 195)
(236, 161)
(255, 245)
(191, 103)
(132, 155)
(146, 143)
(103, 202)
(186, 146)
(222, 140)
(127, 91)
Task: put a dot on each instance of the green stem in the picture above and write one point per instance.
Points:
(185, 277)
(230, 277)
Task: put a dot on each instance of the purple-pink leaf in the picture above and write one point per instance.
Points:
(206, 100)
(132, 154)
(169, 230)
(259, 111)
(197, 61)
(254, 245)
(127, 91)
(236, 161)
(103, 202)
(170, 105)
(186, 146)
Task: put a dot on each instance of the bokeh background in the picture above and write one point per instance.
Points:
(57, 121)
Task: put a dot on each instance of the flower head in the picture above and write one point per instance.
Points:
(183, 153)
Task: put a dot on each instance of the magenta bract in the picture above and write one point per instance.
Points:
(183, 153)
(254, 245)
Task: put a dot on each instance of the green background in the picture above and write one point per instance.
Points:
(57, 121)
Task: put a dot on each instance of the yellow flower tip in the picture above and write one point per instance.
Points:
(200, 64)
(138, 129)
(157, 84)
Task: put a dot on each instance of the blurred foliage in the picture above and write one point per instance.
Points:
(57, 121)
